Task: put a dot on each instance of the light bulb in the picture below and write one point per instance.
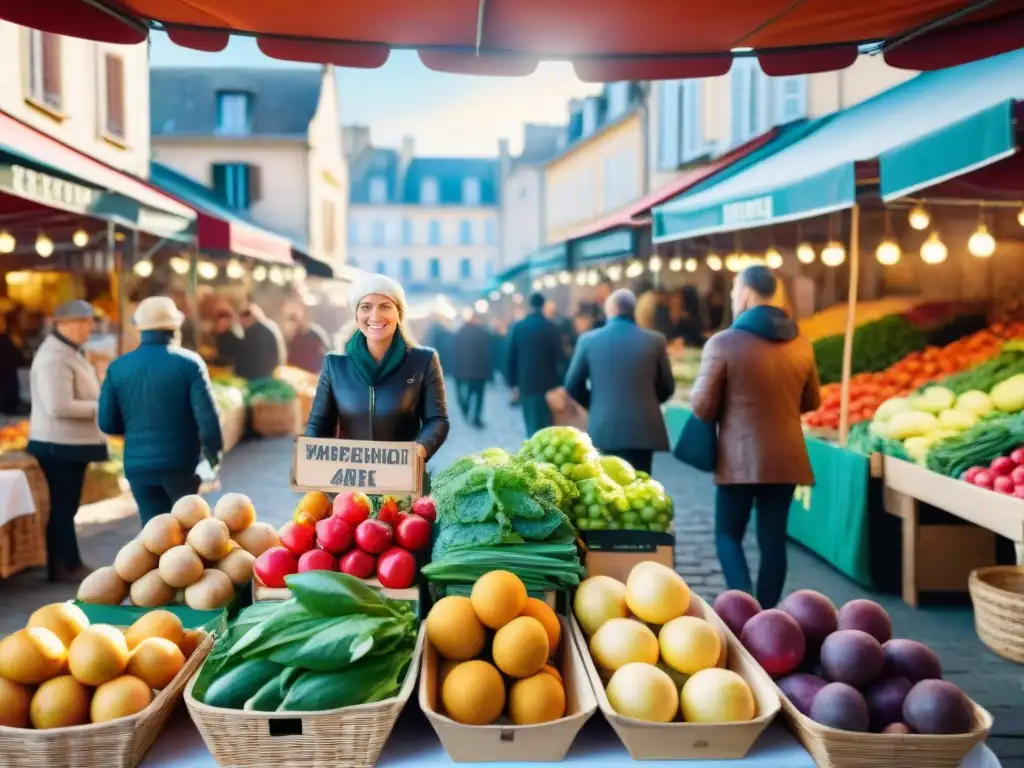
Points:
(7, 242)
(44, 246)
(675, 264)
(538, 284)
(550, 281)
(508, 288)
(691, 265)
(772, 258)
(80, 238)
(981, 243)
(143, 268)
(481, 306)
(805, 253)
(564, 278)
(635, 269)
(179, 265)
(299, 274)
(733, 262)
(259, 273)
(276, 275)
(615, 273)
(234, 270)
(655, 264)
(934, 251)
(207, 270)
(833, 254)
(1020, 217)
(714, 262)
(919, 218)
(581, 278)
(888, 253)
(593, 278)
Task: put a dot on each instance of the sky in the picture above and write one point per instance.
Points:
(447, 115)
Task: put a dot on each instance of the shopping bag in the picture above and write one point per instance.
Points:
(209, 477)
(565, 411)
(697, 445)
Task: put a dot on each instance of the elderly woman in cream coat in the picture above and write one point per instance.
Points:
(63, 435)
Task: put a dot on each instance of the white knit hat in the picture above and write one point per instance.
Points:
(158, 313)
(381, 285)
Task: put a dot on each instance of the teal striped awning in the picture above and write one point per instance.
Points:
(550, 258)
(604, 248)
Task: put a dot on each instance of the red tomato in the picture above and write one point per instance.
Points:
(396, 569)
(413, 533)
(373, 536)
(357, 563)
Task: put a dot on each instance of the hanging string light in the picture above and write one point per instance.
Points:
(655, 264)
(276, 276)
(635, 269)
(714, 262)
(1020, 217)
(615, 272)
(772, 258)
(234, 270)
(508, 288)
(299, 274)
(919, 218)
(259, 273)
(888, 253)
(481, 306)
(593, 278)
(833, 254)
(733, 262)
(179, 265)
(80, 238)
(538, 284)
(805, 253)
(207, 270)
(143, 268)
(564, 278)
(44, 245)
(675, 264)
(934, 251)
(550, 281)
(981, 244)
(581, 278)
(7, 242)
(494, 296)
(691, 265)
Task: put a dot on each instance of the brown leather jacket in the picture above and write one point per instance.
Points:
(755, 390)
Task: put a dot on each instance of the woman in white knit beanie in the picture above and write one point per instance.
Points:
(383, 386)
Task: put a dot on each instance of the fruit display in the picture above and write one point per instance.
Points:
(352, 537)
(658, 662)
(336, 643)
(844, 669)
(61, 670)
(14, 437)
(193, 554)
(497, 647)
(1005, 474)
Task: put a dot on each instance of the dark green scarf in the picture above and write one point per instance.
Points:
(369, 370)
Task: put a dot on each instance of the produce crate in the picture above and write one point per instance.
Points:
(504, 742)
(614, 553)
(232, 426)
(350, 737)
(23, 539)
(692, 741)
(273, 419)
(263, 594)
(120, 743)
(998, 596)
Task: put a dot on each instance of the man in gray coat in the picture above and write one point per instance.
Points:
(629, 377)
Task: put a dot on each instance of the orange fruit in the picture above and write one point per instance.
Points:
(454, 629)
(156, 661)
(544, 613)
(498, 597)
(314, 506)
(553, 672)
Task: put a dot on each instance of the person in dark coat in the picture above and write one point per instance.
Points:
(622, 374)
(11, 360)
(439, 338)
(308, 346)
(535, 365)
(159, 398)
(474, 367)
(262, 350)
(228, 336)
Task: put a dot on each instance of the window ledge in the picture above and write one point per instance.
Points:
(54, 113)
(114, 141)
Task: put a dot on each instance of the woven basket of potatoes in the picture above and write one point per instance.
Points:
(193, 555)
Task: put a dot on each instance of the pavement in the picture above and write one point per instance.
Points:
(260, 468)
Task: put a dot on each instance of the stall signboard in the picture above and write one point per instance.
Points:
(333, 466)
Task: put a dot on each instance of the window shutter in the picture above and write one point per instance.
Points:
(255, 184)
(220, 181)
(739, 80)
(115, 117)
(790, 99)
(668, 124)
(52, 81)
(692, 129)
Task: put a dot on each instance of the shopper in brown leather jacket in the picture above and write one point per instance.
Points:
(756, 378)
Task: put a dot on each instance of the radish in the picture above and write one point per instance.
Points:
(969, 475)
(984, 479)
(1018, 492)
(1003, 484)
(1017, 456)
(1018, 475)
(396, 569)
(373, 536)
(1003, 465)
(413, 532)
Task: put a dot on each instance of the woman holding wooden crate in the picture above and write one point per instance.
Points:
(384, 386)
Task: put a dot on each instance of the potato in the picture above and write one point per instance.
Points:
(189, 510)
(151, 591)
(213, 590)
(103, 587)
(134, 561)
(210, 539)
(238, 566)
(236, 511)
(257, 538)
(180, 566)
(161, 533)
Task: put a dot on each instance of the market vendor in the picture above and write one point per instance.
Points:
(63, 435)
(384, 387)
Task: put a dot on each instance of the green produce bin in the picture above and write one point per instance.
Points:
(126, 615)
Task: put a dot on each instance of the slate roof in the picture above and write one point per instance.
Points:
(540, 143)
(405, 189)
(183, 100)
(370, 163)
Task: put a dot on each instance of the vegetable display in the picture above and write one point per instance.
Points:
(988, 440)
(876, 346)
(1005, 474)
(271, 391)
(335, 643)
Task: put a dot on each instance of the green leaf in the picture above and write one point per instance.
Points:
(346, 640)
(269, 697)
(475, 507)
(290, 615)
(369, 680)
(329, 593)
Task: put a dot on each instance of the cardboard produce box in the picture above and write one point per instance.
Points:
(614, 553)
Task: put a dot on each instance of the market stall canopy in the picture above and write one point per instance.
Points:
(550, 258)
(313, 267)
(811, 169)
(222, 229)
(42, 170)
(607, 41)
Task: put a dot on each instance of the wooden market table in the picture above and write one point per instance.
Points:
(939, 558)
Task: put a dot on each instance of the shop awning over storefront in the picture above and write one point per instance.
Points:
(221, 229)
(550, 258)
(38, 168)
(811, 169)
(313, 267)
(604, 248)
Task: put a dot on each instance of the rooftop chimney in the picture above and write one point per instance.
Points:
(405, 156)
(355, 138)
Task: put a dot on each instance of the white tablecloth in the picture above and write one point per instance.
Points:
(413, 744)
(15, 495)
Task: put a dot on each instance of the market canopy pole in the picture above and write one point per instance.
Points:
(851, 324)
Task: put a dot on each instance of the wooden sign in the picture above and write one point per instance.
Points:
(334, 466)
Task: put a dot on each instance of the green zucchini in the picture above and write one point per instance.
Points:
(240, 683)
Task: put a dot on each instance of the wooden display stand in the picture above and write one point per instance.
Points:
(940, 558)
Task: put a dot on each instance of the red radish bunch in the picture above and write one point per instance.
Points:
(1004, 475)
(355, 541)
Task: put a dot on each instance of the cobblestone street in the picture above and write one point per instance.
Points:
(259, 468)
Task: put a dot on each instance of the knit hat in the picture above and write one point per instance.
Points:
(158, 313)
(77, 309)
(381, 285)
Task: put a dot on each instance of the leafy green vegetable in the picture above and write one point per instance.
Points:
(876, 346)
(271, 390)
(979, 445)
(365, 682)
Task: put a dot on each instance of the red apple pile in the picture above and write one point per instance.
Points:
(353, 539)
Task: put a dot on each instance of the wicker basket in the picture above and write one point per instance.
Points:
(275, 419)
(232, 427)
(23, 539)
(350, 737)
(998, 596)
(118, 744)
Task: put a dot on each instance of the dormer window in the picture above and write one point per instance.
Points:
(234, 113)
(378, 190)
(471, 191)
(429, 191)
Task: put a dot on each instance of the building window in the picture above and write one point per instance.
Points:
(379, 233)
(114, 112)
(328, 226)
(471, 191)
(353, 233)
(378, 190)
(749, 100)
(234, 113)
(382, 267)
(489, 233)
(435, 269)
(44, 69)
(465, 232)
(465, 269)
(790, 99)
(406, 231)
(237, 184)
(429, 191)
(434, 232)
(406, 269)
